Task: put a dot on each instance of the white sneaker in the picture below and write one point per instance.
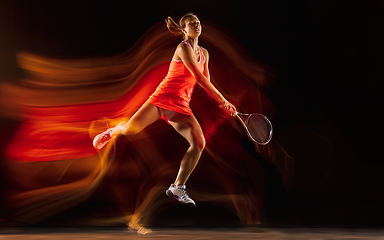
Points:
(103, 139)
(180, 194)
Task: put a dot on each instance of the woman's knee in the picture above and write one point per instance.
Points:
(199, 143)
(132, 128)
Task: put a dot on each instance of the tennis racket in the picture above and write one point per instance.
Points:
(257, 126)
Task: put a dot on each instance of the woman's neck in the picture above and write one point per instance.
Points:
(193, 42)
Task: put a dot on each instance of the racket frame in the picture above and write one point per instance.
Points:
(246, 127)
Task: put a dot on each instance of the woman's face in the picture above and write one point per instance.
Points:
(192, 27)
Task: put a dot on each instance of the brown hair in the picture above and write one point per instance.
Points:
(176, 29)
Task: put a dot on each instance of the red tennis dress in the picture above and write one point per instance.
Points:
(175, 91)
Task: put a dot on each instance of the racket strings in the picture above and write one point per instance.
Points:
(260, 128)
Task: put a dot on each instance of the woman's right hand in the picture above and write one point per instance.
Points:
(229, 108)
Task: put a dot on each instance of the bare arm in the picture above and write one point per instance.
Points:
(186, 55)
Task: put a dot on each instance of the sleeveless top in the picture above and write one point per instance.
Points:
(175, 91)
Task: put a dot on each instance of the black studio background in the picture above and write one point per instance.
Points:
(327, 57)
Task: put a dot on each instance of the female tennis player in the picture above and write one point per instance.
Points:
(170, 101)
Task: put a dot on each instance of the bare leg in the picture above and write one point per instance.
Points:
(190, 129)
(185, 125)
(146, 115)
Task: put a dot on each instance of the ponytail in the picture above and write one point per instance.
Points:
(173, 27)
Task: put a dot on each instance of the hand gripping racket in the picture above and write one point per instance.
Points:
(257, 126)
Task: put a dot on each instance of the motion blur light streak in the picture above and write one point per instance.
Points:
(64, 103)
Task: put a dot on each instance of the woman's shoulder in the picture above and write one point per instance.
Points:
(179, 49)
(204, 49)
(182, 45)
(205, 52)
